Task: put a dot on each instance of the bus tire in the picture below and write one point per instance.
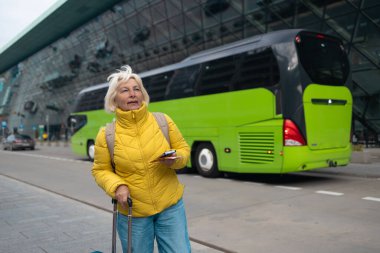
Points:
(205, 160)
(91, 150)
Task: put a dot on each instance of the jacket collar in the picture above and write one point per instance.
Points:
(126, 118)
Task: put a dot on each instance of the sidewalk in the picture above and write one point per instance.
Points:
(366, 156)
(34, 220)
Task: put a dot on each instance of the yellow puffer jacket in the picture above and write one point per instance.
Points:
(139, 141)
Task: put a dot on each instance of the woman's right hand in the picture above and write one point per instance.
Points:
(121, 195)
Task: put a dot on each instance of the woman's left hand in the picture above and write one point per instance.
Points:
(122, 195)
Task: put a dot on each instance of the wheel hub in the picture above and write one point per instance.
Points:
(91, 151)
(206, 159)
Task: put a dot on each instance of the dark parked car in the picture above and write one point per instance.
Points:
(18, 141)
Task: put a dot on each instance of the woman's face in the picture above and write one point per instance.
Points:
(129, 96)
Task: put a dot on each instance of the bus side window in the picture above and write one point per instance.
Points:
(183, 82)
(217, 76)
(258, 68)
(157, 84)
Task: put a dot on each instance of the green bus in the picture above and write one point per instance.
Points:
(274, 103)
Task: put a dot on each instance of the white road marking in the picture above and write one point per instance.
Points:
(255, 183)
(330, 193)
(46, 157)
(224, 179)
(288, 187)
(371, 198)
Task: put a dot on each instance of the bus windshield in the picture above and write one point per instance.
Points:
(323, 58)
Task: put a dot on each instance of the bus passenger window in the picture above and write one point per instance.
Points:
(156, 85)
(91, 100)
(217, 76)
(258, 68)
(183, 82)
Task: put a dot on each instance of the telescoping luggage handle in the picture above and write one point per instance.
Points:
(129, 200)
(114, 201)
(114, 221)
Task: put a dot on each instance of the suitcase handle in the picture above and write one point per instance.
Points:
(114, 202)
(129, 201)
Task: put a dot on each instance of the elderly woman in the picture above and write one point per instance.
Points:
(151, 182)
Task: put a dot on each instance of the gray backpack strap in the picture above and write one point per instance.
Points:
(163, 124)
(110, 139)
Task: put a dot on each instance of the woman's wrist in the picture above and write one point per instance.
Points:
(122, 187)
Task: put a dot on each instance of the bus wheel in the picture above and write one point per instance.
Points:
(205, 160)
(91, 150)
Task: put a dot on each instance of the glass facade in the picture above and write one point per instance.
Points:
(40, 91)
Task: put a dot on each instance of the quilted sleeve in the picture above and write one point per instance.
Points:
(102, 169)
(178, 143)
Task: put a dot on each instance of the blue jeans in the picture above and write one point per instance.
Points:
(169, 228)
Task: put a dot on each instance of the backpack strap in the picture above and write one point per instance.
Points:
(163, 124)
(110, 139)
(110, 133)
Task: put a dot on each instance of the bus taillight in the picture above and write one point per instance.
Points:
(292, 135)
(298, 39)
(320, 36)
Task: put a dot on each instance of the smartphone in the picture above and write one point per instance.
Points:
(168, 153)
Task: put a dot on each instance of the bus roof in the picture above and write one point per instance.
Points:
(94, 87)
(243, 45)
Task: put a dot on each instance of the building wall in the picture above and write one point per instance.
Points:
(149, 34)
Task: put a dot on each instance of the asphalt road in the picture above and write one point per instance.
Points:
(321, 211)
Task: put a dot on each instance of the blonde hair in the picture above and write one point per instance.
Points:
(114, 80)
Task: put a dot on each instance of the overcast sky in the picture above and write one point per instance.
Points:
(16, 15)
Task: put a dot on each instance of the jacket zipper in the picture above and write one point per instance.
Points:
(145, 165)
